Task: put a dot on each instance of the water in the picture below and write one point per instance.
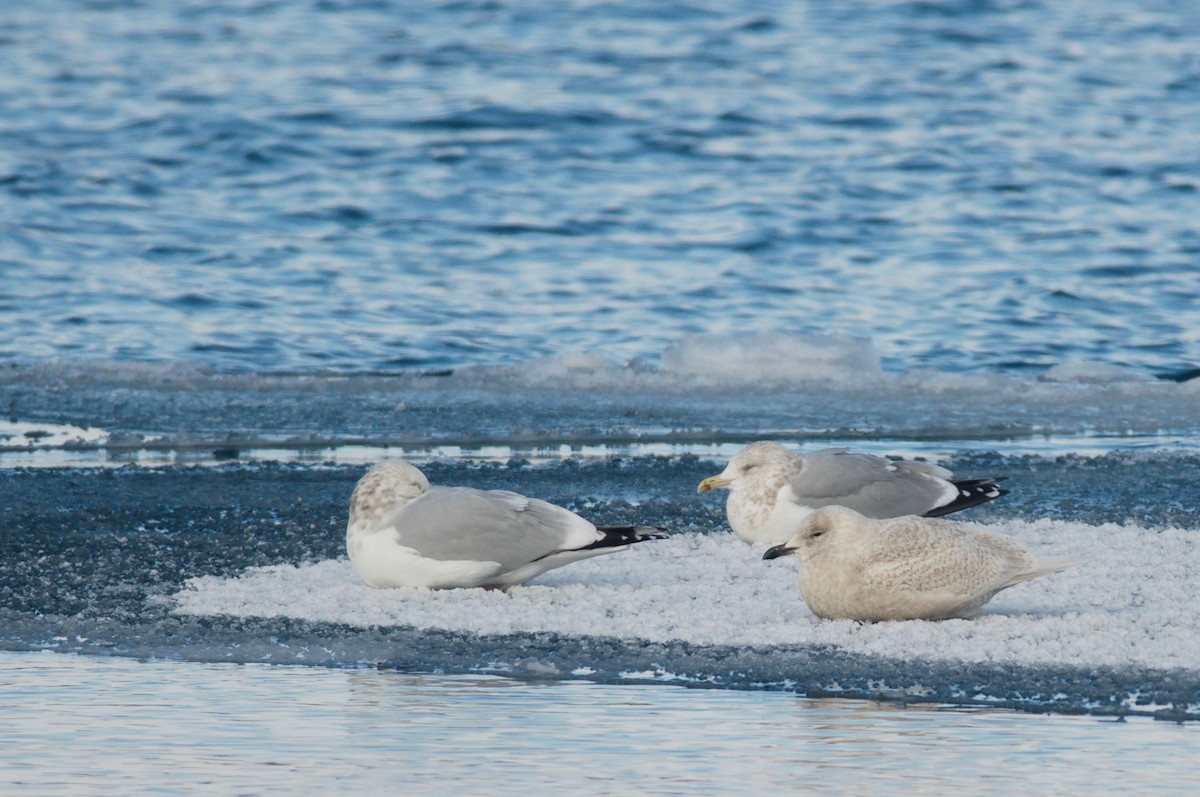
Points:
(89, 723)
(366, 186)
(586, 252)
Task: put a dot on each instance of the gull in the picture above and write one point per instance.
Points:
(909, 568)
(403, 532)
(771, 489)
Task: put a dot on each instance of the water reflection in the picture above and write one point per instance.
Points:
(74, 723)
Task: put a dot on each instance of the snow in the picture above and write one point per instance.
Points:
(1132, 604)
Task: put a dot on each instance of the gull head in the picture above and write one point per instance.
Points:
(756, 459)
(384, 488)
(815, 531)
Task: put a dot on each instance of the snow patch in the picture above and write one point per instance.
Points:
(1131, 604)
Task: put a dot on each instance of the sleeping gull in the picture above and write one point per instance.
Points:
(771, 489)
(910, 568)
(405, 533)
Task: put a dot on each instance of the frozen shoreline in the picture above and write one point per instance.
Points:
(78, 414)
(96, 558)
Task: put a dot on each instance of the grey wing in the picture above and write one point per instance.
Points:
(871, 485)
(461, 523)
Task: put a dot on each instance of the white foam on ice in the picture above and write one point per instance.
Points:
(1132, 604)
(771, 357)
(765, 361)
(731, 384)
(1083, 371)
(29, 435)
(721, 363)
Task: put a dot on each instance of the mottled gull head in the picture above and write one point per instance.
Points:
(384, 488)
(763, 463)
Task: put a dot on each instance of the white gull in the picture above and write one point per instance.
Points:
(772, 489)
(910, 568)
(403, 532)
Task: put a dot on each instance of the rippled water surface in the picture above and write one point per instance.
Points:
(586, 250)
(128, 727)
(360, 186)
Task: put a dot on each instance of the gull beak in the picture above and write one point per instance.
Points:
(778, 551)
(713, 483)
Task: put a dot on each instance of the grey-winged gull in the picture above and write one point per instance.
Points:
(771, 489)
(909, 568)
(403, 532)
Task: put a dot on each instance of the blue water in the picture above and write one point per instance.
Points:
(972, 186)
(585, 250)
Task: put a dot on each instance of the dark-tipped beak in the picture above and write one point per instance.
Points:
(778, 551)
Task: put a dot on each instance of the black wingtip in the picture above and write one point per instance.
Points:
(971, 492)
(628, 535)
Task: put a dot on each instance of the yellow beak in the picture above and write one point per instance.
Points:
(712, 483)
